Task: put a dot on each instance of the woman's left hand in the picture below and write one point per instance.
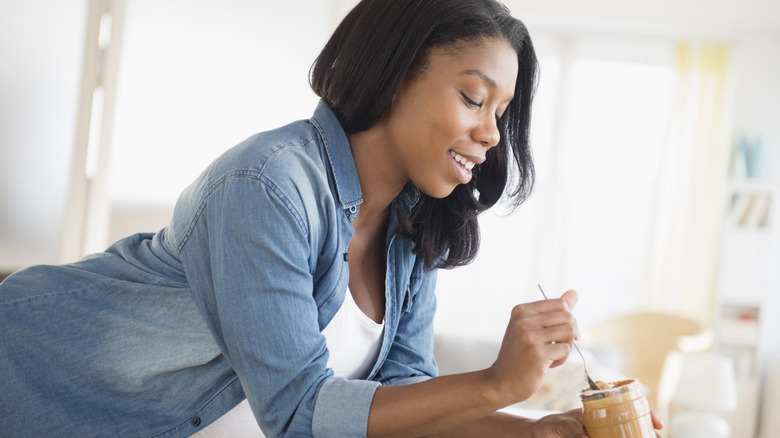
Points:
(569, 425)
(565, 425)
(657, 423)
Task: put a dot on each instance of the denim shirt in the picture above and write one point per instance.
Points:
(163, 333)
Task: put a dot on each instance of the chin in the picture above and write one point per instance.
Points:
(440, 192)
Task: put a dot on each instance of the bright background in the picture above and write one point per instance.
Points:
(634, 143)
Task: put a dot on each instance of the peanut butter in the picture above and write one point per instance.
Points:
(618, 410)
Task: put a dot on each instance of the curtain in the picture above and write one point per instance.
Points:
(690, 200)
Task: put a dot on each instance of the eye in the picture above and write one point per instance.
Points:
(470, 101)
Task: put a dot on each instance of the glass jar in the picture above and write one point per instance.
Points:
(621, 411)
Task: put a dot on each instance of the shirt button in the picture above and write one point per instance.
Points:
(353, 209)
(195, 421)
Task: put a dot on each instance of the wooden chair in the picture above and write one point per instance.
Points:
(645, 340)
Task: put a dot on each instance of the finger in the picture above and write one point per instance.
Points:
(543, 306)
(546, 355)
(548, 327)
(557, 310)
(577, 414)
(543, 316)
(556, 354)
(559, 334)
(557, 363)
(657, 423)
(570, 297)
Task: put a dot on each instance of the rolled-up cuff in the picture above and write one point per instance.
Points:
(342, 408)
(398, 381)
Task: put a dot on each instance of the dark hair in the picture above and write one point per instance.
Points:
(381, 42)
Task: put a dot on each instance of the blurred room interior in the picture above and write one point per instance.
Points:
(655, 135)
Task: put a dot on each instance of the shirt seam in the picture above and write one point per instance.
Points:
(197, 411)
(257, 175)
(35, 298)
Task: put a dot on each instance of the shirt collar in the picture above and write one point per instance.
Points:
(339, 155)
(343, 164)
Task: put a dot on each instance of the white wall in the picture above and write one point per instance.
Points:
(197, 77)
(757, 113)
(703, 18)
(40, 73)
(185, 68)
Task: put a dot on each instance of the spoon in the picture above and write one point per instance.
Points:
(591, 383)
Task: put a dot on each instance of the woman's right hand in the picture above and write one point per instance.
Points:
(539, 336)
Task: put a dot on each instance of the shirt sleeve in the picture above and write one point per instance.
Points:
(257, 242)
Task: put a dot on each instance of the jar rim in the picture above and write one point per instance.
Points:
(618, 387)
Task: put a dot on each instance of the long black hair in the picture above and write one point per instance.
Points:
(379, 44)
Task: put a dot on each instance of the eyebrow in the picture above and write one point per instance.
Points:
(483, 76)
(488, 80)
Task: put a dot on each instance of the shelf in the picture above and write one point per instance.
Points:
(749, 204)
(739, 333)
(745, 185)
(749, 210)
(741, 310)
(745, 360)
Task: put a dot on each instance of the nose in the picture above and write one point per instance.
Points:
(487, 132)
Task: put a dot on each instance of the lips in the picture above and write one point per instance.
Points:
(462, 167)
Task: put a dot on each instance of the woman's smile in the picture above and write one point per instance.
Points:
(443, 122)
(462, 167)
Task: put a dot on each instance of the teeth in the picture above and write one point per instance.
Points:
(462, 160)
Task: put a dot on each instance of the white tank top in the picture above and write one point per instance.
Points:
(353, 341)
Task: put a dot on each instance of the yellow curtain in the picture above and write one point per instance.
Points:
(690, 198)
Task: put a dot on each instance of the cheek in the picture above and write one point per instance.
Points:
(446, 134)
(445, 124)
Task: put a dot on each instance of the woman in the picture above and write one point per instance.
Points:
(307, 250)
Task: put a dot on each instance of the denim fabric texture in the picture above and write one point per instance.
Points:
(163, 333)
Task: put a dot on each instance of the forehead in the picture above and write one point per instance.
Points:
(492, 61)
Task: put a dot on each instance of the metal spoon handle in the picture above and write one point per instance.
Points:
(591, 383)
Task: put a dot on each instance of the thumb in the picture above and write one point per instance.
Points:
(570, 297)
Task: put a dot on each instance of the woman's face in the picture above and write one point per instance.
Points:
(443, 122)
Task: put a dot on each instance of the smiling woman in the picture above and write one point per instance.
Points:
(450, 109)
(449, 225)
(305, 248)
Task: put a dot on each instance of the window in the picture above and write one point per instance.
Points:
(599, 125)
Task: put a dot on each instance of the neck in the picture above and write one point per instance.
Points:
(380, 179)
